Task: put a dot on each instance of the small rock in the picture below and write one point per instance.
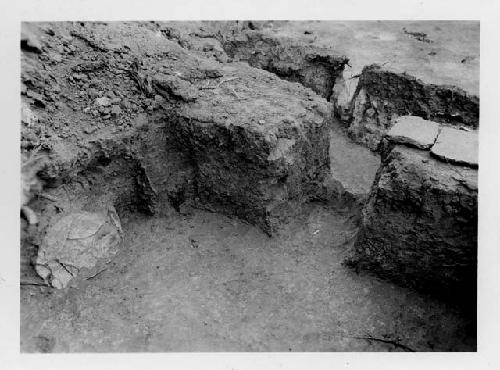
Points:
(79, 76)
(92, 93)
(194, 243)
(37, 98)
(414, 131)
(125, 104)
(103, 102)
(116, 100)
(78, 241)
(457, 146)
(89, 130)
(56, 58)
(27, 116)
(115, 110)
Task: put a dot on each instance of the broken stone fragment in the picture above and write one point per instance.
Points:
(77, 241)
(103, 102)
(414, 131)
(457, 146)
(174, 87)
(27, 116)
(115, 110)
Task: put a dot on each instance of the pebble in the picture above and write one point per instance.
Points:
(115, 109)
(93, 93)
(103, 102)
(57, 58)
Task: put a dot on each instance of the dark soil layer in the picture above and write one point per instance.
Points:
(432, 208)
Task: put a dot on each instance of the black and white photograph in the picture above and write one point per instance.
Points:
(248, 185)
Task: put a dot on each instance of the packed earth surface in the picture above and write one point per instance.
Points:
(249, 186)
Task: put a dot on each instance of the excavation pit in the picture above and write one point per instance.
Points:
(241, 192)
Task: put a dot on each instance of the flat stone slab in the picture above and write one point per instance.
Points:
(457, 146)
(414, 131)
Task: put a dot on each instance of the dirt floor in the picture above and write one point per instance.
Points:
(199, 281)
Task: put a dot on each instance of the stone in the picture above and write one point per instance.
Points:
(414, 131)
(457, 146)
(103, 102)
(419, 226)
(27, 116)
(115, 110)
(76, 243)
(55, 57)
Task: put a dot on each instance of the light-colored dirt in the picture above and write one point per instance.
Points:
(205, 282)
(452, 56)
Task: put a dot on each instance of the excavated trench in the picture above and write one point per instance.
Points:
(240, 196)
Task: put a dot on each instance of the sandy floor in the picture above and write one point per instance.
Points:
(205, 282)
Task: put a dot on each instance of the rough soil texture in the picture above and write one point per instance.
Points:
(450, 58)
(250, 158)
(382, 95)
(153, 118)
(313, 67)
(373, 72)
(431, 207)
